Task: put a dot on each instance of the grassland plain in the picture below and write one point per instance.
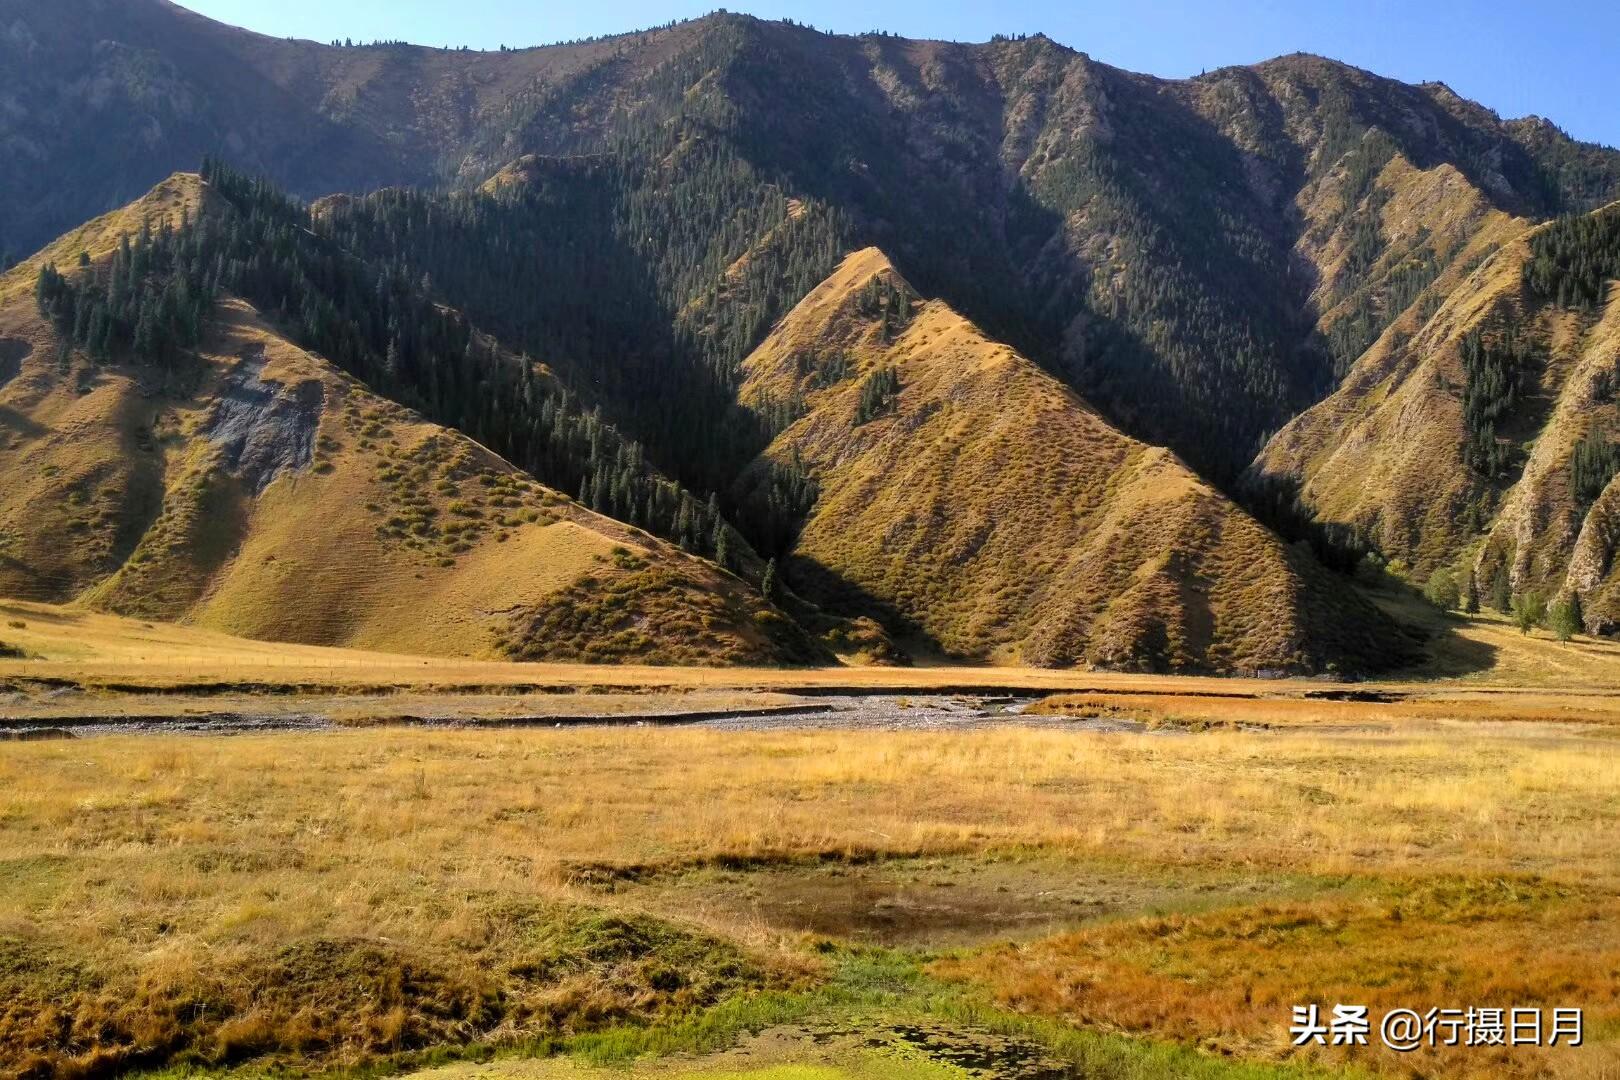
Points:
(381, 897)
(68, 645)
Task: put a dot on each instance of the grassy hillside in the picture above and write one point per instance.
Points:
(987, 510)
(1384, 453)
(260, 491)
(1477, 434)
(597, 235)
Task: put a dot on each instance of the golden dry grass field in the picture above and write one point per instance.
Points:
(1143, 904)
(329, 898)
(814, 903)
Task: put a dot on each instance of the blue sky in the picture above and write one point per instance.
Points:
(1561, 61)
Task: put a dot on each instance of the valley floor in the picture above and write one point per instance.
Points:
(929, 873)
(91, 650)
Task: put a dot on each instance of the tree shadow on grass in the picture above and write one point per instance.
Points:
(1444, 652)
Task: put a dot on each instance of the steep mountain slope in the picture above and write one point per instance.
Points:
(1385, 451)
(1355, 143)
(979, 504)
(252, 487)
(1477, 434)
(1199, 258)
(559, 258)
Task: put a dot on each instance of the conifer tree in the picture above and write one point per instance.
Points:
(1592, 465)
(721, 546)
(1501, 590)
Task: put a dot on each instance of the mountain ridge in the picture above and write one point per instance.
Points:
(1479, 443)
(1078, 195)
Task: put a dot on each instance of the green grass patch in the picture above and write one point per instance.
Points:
(878, 990)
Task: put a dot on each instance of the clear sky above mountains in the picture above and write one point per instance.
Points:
(1559, 61)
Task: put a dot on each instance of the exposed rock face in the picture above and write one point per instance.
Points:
(262, 428)
(1592, 567)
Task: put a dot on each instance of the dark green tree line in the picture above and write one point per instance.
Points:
(879, 394)
(375, 320)
(151, 299)
(1593, 464)
(1496, 367)
(1573, 259)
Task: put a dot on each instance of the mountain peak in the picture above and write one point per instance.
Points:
(180, 197)
(249, 484)
(582, 255)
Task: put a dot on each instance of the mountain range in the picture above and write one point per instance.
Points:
(736, 341)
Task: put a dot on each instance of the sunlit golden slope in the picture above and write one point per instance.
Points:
(1361, 243)
(995, 513)
(1541, 524)
(271, 496)
(1385, 451)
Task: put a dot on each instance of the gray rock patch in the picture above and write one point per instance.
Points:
(264, 428)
